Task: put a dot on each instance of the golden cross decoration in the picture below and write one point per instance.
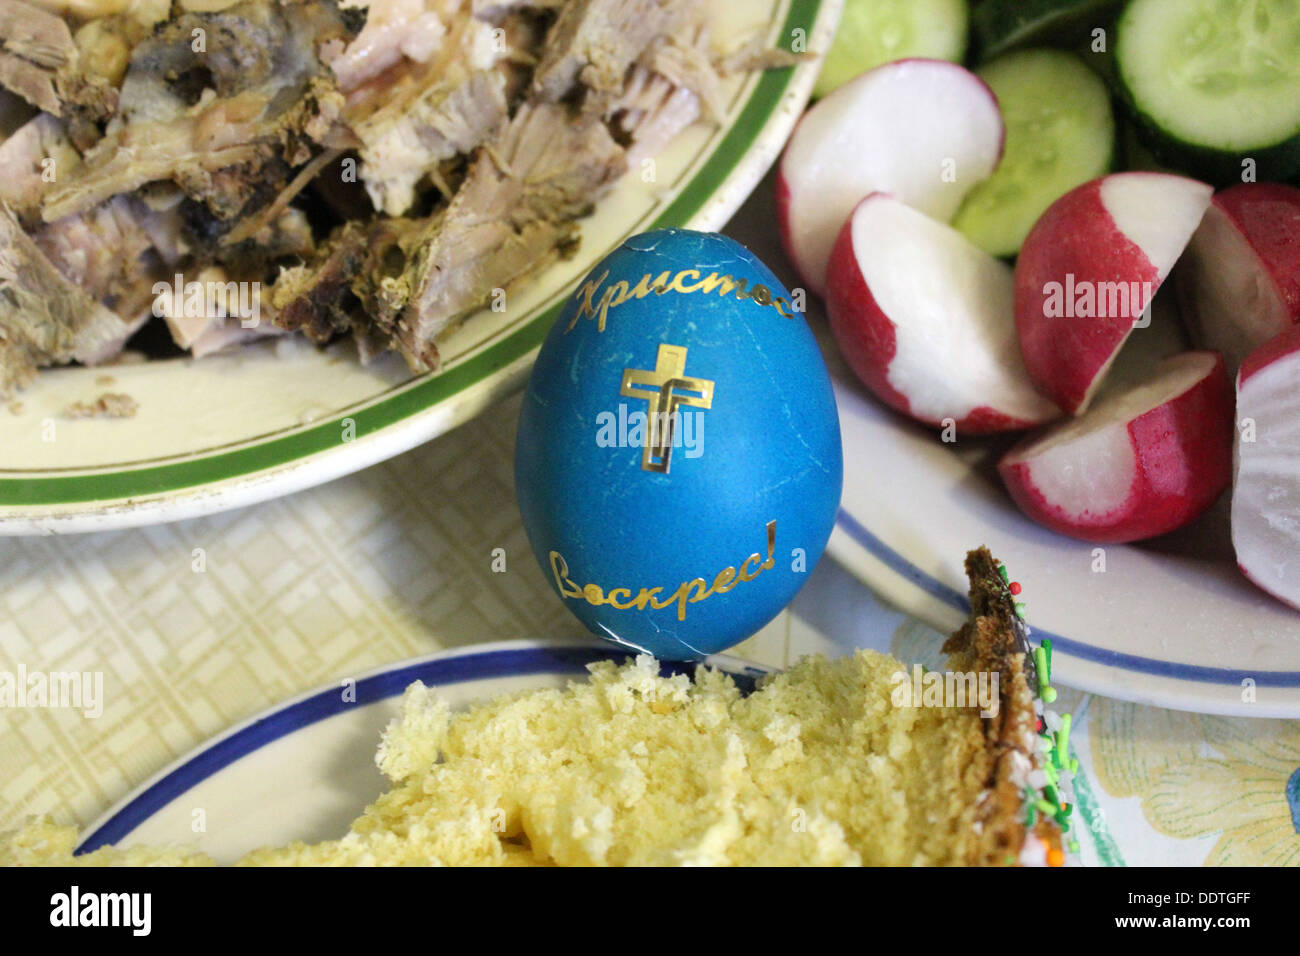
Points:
(665, 388)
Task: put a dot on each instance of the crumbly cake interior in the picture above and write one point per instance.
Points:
(816, 766)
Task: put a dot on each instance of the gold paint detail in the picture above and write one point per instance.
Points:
(665, 388)
(688, 592)
(612, 296)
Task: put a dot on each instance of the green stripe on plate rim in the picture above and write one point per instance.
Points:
(159, 479)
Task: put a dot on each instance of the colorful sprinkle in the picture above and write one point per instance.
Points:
(1040, 664)
(1055, 857)
(1063, 738)
(1014, 587)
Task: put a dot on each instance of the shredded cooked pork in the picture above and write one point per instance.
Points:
(373, 170)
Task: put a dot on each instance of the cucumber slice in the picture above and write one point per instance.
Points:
(1060, 133)
(1213, 83)
(873, 32)
(1002, 25)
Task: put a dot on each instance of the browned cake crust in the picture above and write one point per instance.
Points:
(994, 639)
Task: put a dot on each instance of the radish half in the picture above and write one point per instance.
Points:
(1144, 461)
(925, 319)
(1088, 270)
(925, 130)
(1266, 484)
(1239, 281)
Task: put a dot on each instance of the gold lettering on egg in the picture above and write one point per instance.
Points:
(685, 282)
(687, 592)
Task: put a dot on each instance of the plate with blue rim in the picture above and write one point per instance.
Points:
(305, 769)
(1169, 622)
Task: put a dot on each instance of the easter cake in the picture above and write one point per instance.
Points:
(823, 764)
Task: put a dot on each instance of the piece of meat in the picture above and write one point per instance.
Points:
(685, 60)
(45, 317)
(103, 251)
(114, 251)
(226, 122)
(32, 159)
(594, 42)
(350, 281)
(669, 88)
(416, 115)
(401, 283)
(317, 299)
(394, 29)
(223, 314)
(227, 333)
(161, 217)
(255, 45)
(400, 147)
(34, 46)
(43, 62)
(651, 113)
(513, 214)
(224, 134)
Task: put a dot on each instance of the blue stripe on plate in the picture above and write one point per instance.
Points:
(1088, 652)
(327, 703)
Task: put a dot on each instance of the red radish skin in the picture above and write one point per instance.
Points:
(1179, 452)
(1125, 228)
(867, 338)
(1266, 483)
(1269, 217)
(1239, 282)
(864, 335)
(892, 129)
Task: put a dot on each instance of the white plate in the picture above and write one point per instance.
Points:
(1169, 622)
(305, 770)
(270, 419)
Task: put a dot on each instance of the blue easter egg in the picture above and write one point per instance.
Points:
(678, 459)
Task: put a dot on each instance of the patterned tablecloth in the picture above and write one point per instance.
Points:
(199, 624)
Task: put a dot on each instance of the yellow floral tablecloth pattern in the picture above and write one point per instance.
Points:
(1201, 777)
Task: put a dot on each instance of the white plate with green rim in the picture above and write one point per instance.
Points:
(275, 417)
